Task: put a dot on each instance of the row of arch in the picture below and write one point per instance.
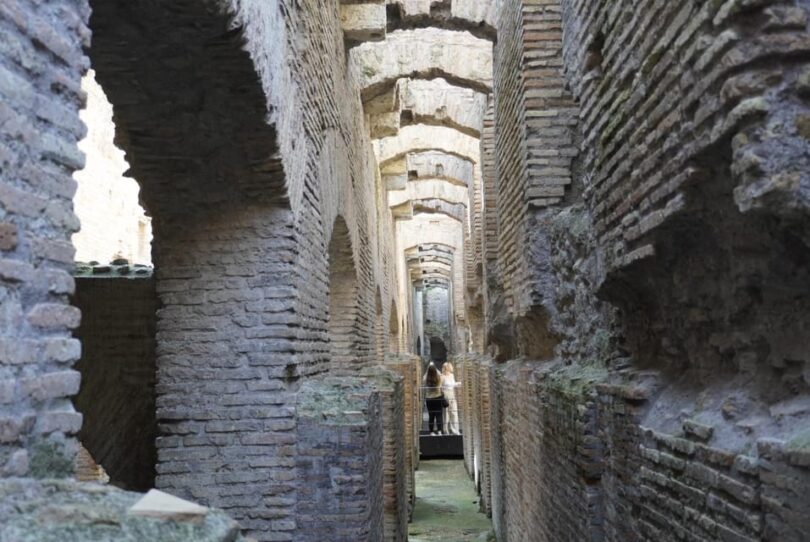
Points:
(426, 93)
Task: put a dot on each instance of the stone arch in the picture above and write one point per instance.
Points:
(370, 20)
(398, 171)
(421, 138)
(456, 211)
(479, 17)
(344, 335)
(191, 113)
(393, 329)
(458, 57)
(429, 102)
(433, 196)
(440, 165)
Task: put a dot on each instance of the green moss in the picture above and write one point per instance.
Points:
(50, 460)
(573, 222)
(446, 505)
(575, 379)
(369, 71)
(332, 402)
(799, 442)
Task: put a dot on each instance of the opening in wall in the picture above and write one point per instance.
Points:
(115, 292)
(344, 343)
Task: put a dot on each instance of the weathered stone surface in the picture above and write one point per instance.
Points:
(599, 209)
(456, 56)
(336, 418)
(50, 511)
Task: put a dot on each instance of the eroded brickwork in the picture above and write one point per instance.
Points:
(645, 423)
(41, 64)
(340, 462)
(612, 198)
(408, 368)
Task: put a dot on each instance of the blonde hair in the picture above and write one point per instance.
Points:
(447, 368)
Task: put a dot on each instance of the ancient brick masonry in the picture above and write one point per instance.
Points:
(476, 419)
(409, 369)
(592, 448)
(341, 458)
(240, 234)
(390, 386)
(40, 95)
(598, 209)
(117, 394)
(645, 423)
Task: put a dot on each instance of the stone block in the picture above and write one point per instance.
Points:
(363, 21)
(8, 236)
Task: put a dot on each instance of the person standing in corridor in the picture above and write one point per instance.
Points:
(449, 386)
(434, 399)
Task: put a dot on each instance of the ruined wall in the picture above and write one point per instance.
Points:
(534, 137)
(409, 368)
(681, 415)
(475, 411)
(391, 388)
(41, 64)
(692, 152)
(340, 464)
(117, 393)
(591, 469)
(259, 147)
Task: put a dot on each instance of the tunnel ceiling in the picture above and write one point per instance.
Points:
(424, 74)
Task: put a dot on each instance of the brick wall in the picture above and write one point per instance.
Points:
(534, 140)
(670, 110)
(339, 462)
(475, 411)
(41, 63)
(409, 369)
(117, 394)
(389, 385)
(573, 460)
(242, 224)
(679, 108)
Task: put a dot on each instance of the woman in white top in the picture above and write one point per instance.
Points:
(449, 386)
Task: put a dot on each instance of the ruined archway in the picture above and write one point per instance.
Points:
(393, 329)
(344, 336)
(191, 113)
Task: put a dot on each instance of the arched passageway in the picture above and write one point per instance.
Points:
(596, 211)
(344, 347)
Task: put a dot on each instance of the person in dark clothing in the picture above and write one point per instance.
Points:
(434, 399)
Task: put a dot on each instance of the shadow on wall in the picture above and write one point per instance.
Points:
(438, 350)
(117, 395)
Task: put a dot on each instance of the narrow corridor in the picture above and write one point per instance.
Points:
(446, 505)
(251, 249)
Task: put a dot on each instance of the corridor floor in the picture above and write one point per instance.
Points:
(446, 505)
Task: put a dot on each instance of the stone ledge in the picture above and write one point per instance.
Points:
(68, 511)
(115, 269)
(335, 400)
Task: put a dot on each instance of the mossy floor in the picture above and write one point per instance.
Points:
(446, 505)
